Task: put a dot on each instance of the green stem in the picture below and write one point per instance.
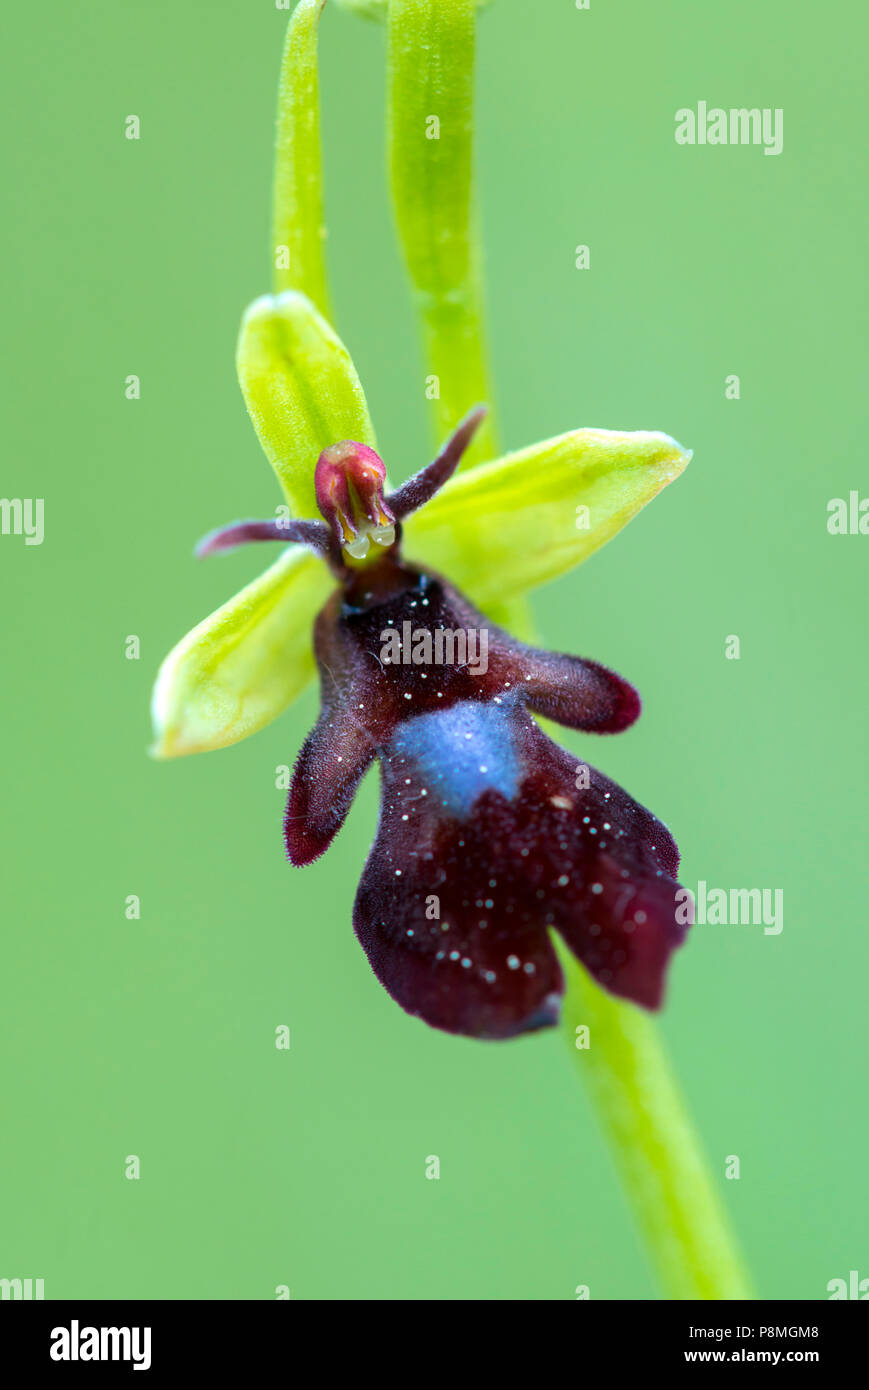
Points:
(429, 131)
(298, 232)
(658, 1153)
(431, 57)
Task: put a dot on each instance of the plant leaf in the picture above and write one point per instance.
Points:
(512, 524)
(242, 666)
(301, 390)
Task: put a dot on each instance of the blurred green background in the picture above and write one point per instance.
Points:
(156, 1037)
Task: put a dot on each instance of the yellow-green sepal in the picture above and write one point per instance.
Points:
(301, 389)
(242, 666)
(504, 527)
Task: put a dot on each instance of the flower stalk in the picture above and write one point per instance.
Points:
(298, 228)
(430, 77)
(630, 1080)
(655, 1146)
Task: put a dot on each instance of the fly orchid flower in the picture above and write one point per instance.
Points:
(490, 834)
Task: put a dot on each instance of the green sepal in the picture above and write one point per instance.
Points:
(242, 666)
(301, 390)
(507, 526)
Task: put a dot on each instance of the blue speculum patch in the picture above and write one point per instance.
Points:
(460, 752)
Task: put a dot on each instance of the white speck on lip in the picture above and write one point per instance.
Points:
(398, 873)
(407, 695)
(563, 881)
(528, 967)
(405, 818)
(597, 888)
(513, 962)
(490, 975)
(606, 825)
(454, 955)
(466, 962)
(639, 917)
(410, 931)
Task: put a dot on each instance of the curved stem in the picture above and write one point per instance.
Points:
(656, 1148)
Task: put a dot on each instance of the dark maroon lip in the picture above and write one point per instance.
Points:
(482, 818)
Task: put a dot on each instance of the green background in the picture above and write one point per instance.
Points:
(156, 1037)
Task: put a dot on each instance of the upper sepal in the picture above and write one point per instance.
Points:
(301, 390)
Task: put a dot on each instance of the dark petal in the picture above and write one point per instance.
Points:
(482, 821)
(423, 485)
(334, 758)
(576, 693)
(314, 534)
